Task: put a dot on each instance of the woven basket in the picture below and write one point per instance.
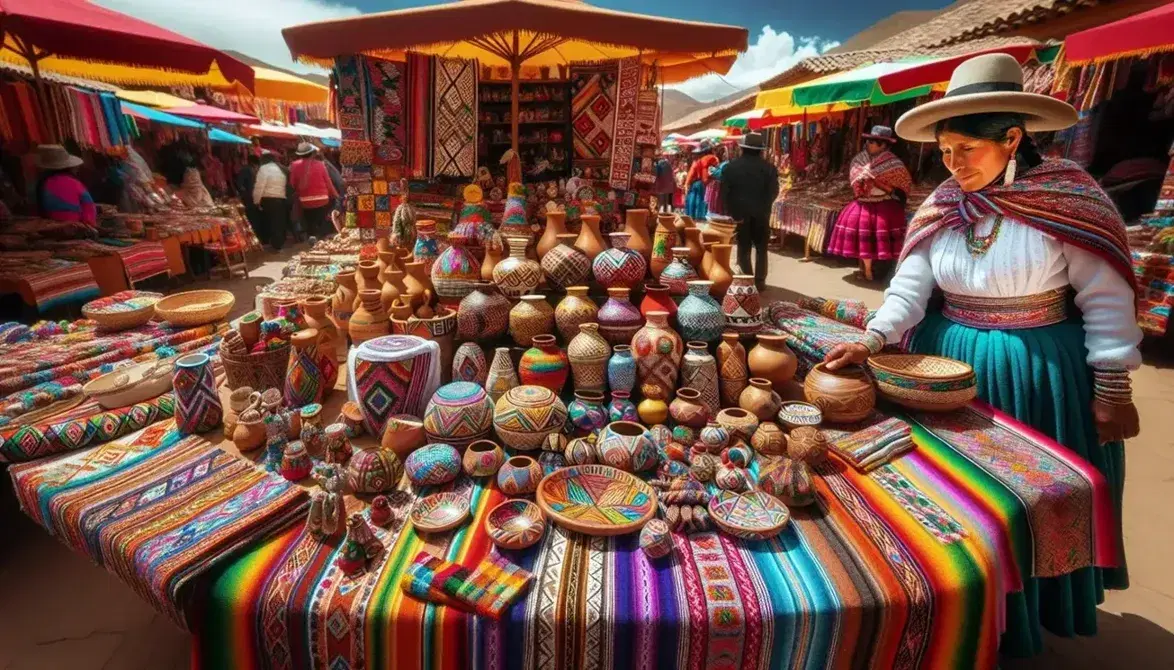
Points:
(195, 308)
(261, 371)
(921, 367)
(929, 401)
(101, 312)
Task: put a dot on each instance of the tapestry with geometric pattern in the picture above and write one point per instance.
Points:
(454, 118)
(593, 109)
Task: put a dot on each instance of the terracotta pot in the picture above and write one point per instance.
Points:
(440, 327)
(369, 320)
(626, 446)
(619, 265)
(519, 476)
(483, 458)
(469, 364)
(418, 283)
(658, 350)
(621, 369)
(618, 318)
(699, 315)
(530, 317)
(699, 371)
(295, 462)
(502, 376)
(733, 371)
(517, 275)
(249, 435)
(652, 409)
(590, 240)
(663, 240)
(722, 229)
(742, 306)
(544, 364)
(843, 396)
(574, 310)
(239, 401)
(696, 251)
(403, 434)
(352, 418)
(769, 439)
(386, 259)
(455, 272)
(330, 340)
(587, 412)
(556, 224)
(250, 327)
(719, 271)
(400, 311)
(565, 265)
(367, 276)
(640, 237)
(713, 437)
(760, 399)
(526, 416)
(588, 353)
(342, 303)
(706, 257)
(772, 359)
(688, 409)
(738, 422)
(484, 314)
(807, 444)
(678, 273)
(494, 252)
(657, 299)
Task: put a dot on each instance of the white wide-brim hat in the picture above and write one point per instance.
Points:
(55, 157)
(983, 85)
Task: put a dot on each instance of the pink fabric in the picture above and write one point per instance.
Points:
(873, 230)
(311, 182)
(65, 198)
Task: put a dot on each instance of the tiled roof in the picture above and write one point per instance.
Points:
(698, 119)
(978, 18)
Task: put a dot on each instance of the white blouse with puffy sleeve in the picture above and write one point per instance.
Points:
(1022, 261)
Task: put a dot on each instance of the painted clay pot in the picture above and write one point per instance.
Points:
(484, 314)
(351, 416)
(621, 369)
(455, 272)
(441, 328)
(590, 240)
(621, 407)
(374, 471)
(565, 265)
(532, 316)
(657, 299)
(519, 476)
(556, 224)
(470, 365)
(683, 434)
(696, 251)
(699, 315)
(772, 359)
(587, 413)
(574, 310)
(368, 320)
(658, 350)
(704, 467)
(678, 273)
(769, 439)
(403, 434)
(742, 306)
(739, 455)
(427, 248)
(664, 238)
(731, 478)
(760, 399)
(579, 451)
(843, 396)
(483, 458)
(618, 318)
(501, 376)
(433, 465)
(639, 237)
(367, 276)
(719, 272)
(240, 400)
(330, 340)
(619, 265)
(588, 353)
(626, 446)
(295, 462)
(304, 379)
(197, 402)
(788, 480)
(807, 444)
(713, 437)
(459, 413)
(699, 371)
(342, 303)
(526, 415)
(652, 409)
(249, 432)
(739, 423)
(687, 409)
(732, 369)
(655, 539)
(555, 443)
(517, 275)
(661, 435)
(544, 364)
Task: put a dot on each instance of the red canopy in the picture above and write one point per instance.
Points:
(1139, 35)
(212, 114)
(937, 71)
(82, 30)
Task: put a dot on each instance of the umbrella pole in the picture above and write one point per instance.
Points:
(515, 73)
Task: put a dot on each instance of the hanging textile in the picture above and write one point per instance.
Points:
(419, 113)
(454, 117)
(627, 101)
(593, 94)
(351, 98)
(385, 100)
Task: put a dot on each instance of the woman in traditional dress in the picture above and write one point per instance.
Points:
(695, 183)
(59, 194)
(713, 189)
(1032, 259)
(872, 227)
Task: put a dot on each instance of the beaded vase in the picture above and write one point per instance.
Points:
(699, 315)
(197, 402)
(619, 265)
(517, 275)
(618, 318)
(483, 314)
(544, 364)
(679, 272)
(621, 369)
(574, 310)
(588, 354)
(566, 265)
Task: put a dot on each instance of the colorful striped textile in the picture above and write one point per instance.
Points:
(487, 590)
(1155, 281)
(883, 170)
(86, 425)
(54, 282)
(143, 260)
(157, 511)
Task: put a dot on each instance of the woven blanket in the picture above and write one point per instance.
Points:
(352, 98)
(811, 335)
(86, 425)
(593, 108)
(627, 101)
(883, 170)
(454, 117)
(1155, 280)
(852, 312)
(144, 260)
(419, 113)
(385, 95)
(648, 118)
(157, 512)
(55, 282)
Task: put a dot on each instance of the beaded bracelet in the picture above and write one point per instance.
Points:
(874, 340)
(1112, 387)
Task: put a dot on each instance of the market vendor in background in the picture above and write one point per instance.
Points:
(665, 184)
(1012, 239)
(59, 194)
(713, 189)
(750, 185)
(696, 180)
(872, 227)
(269, 197)
(315, 191)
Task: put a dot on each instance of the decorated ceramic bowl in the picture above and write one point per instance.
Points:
(751, 516)
(596, 500)
(929, 383)
(794, 414)
(440, 512)
(515, 524)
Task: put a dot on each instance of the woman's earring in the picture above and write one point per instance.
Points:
(1009, 174)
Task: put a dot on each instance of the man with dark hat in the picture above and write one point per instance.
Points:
(750, 185)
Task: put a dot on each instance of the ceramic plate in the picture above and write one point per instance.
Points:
(751, 516)
(596, 500)
(800, 414)
(440, 512)
(515, 524)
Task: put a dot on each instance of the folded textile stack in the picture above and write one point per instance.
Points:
(488, 590)
(874, 446)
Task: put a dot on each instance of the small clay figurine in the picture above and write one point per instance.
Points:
(352, 560)
(380, 511)
(358, 530)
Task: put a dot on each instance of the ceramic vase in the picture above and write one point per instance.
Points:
(342, 303)
(639, 237)
(626, 446)
(719, 271)
(455, 271)
(532, 316)
(197, 402)
(618, 318)
(655, 539)
(742, 307)
(706, 257)
(621, 407)
(304, 379)
(590, 240)
(700, 316)
(527, 415)
(579, 451)
(433, 465)
(367, 276)
(517, 275)
(544, 364)
(484, 314)
(699, 371)
(653, 409)
(619, 265)
(696, 251)
(687, 409)
(386, 259)
(713, 437)
(621, 369)
(565, 265)
(556, 224)
(843, 396)
(733, 371)
(374, 471)
(587, 412)
(418, 282)
(427, 248)
(250, 324)
(664, 238)
(469, 364)
(519, 476)
(369, 320)
(483, 458)
(574, 310)
(588, 353)
(678, 273)
(249, 432)
(330, 340)
(772, 359)
(760, 399)
(657, 299)
(458, 414)
(739, 423)
(501, 376)
(403, 434)
(393, 287)
(494, 252)
(658, 350)
(295, 462)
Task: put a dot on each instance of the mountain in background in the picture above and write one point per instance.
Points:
(678, 104)
(253, 62)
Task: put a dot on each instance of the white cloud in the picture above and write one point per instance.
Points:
(769, 55)
(252, 27)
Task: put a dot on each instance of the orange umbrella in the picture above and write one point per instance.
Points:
(532, 32)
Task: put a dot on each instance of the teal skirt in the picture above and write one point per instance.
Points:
(1040, 377)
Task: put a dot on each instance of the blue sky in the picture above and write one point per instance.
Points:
(781, 31)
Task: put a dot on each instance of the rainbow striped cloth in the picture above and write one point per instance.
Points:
(486, 590)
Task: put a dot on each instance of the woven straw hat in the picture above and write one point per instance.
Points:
(55, 157)
(305, 149)
(982, 85)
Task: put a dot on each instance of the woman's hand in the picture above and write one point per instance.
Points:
(846, 354)
(1115, 422)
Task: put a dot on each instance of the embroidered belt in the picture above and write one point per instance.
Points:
(1028, 311)
(874, 198)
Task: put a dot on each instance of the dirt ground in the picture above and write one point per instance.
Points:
(62, 612)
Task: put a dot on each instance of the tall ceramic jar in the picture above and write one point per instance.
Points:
(658, 350)
(696, 251)
(699, 371)
(566, 265)
(700, 316)
(330, 341)
(469, 364)
(418, 282)
(530, 317)
(719, 271)
(678, 273)
(393, 286)
(588, 353)
(197, 402)
(657, 299)
(772, 359)
(517, 275)
(590, 240)
(556, 224)
(574, 310)
(369, 320)
(427, 248)
(455, 270)
(501, 376)
(621, 369)
(620, 265)
(742, 306)
(368, 276)
(733, 371)
(618, 318)
(342, 303)
(304, 380)
(663, 240)
(544, 364)
(494, 252)
(484, 314)
(639, 238)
